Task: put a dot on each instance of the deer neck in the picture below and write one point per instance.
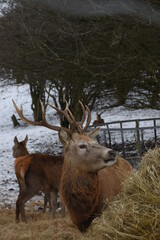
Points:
(24, 152)
(21, 153)
(80, 193)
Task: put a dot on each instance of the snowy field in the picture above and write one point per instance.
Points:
(40, 139)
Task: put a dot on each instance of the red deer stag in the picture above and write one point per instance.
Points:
(36, 172)
(19, 150)
(88, 177)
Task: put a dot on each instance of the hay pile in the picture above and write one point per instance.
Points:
(135, 214)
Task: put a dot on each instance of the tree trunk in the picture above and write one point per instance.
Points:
(37, 93)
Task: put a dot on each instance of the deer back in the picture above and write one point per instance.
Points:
(47, 169)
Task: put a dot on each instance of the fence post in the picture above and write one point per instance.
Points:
(155, 132)
(109, 136)
(138, 144)
(122, 137)
(105, 139)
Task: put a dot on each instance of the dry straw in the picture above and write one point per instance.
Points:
(135, 214)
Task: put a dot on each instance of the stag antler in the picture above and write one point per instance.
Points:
(84, 114)
(36, 123)
(88, 119)
(66, 113)
(71, 119)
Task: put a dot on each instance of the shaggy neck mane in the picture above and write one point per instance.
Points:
(80, 193)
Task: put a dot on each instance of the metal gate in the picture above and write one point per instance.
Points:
(131, 138)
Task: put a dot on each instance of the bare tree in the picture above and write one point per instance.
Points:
(78, 57)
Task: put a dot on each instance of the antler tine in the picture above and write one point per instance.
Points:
(84, 114)
(66, 112)
(69, 116)
(63, 112)
(21, 108)
(88, 119)
(74, 123)
(35, 123)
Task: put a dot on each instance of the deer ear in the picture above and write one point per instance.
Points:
(64, 136)
(26, 139)
(94, 133)
(15, 140)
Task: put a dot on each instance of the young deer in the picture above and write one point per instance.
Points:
(91, 173)
(19, 150)
(36, 172)
(99, 120)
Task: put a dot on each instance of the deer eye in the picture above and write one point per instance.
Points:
(82, 146)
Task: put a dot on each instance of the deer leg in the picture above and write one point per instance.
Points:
(17, 209)
(50, 202)
(62, 209)
(45, 202)
(22, 211)
(18, 202)
(47, 199)
(20, 208)
(22, 199)
(54, 205)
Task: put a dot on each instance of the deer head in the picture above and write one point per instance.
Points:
(83, 151)
(19, 148)
(80, 147)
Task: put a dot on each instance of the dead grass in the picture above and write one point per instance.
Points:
(135, 214)
(39, 227)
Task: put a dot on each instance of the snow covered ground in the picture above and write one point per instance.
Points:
(40, 139)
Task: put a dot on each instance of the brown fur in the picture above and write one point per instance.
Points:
(84, 189)
(21, 166)
(23, 163)
(99, 120)
(19, 148)
(85, 194)
(37, 172)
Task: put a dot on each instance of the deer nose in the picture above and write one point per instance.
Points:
(112, 153)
